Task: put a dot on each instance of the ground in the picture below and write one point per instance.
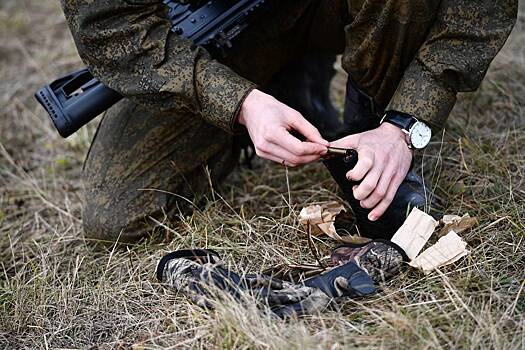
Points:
(58, 291)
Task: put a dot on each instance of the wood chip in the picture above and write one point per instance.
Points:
(415, 232)
(311, 215)
(448, 249)
(457, 224)
(320, 218)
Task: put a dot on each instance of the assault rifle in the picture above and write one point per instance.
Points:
(77, 98)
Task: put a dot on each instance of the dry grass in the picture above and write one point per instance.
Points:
(57, 291)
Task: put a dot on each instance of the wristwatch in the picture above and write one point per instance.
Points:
(418, 134)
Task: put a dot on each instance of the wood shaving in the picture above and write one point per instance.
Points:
(320, 218)
(415, 232)
(457, 224)
(448, 249)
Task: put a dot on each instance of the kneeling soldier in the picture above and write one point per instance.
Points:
(408, 58)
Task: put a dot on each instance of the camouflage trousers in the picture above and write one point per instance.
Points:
(144, 165)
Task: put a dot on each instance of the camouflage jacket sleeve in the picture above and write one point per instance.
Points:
(128, 45)
(465, 37)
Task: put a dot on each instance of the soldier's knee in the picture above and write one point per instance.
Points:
(97, 224)
(102, 225)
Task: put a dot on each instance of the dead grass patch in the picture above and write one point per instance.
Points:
(57, 291)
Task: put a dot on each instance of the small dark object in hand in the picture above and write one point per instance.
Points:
(349, 156)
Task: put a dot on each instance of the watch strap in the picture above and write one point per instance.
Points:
(399, 119)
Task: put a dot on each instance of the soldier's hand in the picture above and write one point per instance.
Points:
(384, 161)
(269, 123)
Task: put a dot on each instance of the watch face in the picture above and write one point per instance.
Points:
(420, 135)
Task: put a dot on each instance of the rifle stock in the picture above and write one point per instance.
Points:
(74, 100)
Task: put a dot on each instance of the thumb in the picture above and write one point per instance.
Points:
(308, 130)
(351, 141)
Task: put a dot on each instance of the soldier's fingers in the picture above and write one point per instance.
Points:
(385, 202)
(369, 183)
(381, 189)
(363, 166)
(306, 129)
(275, 159)
(287, 141)
(351, 141)
(282, 156)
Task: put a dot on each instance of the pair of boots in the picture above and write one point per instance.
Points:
(305, 86)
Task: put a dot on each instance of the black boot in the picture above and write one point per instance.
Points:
(361, 114)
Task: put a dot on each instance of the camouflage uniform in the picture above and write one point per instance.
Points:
(409, 55)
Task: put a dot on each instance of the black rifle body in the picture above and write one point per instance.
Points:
(77, 98)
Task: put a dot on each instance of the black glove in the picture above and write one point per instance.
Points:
(347, 280)
(381, 259)
(343, 281)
